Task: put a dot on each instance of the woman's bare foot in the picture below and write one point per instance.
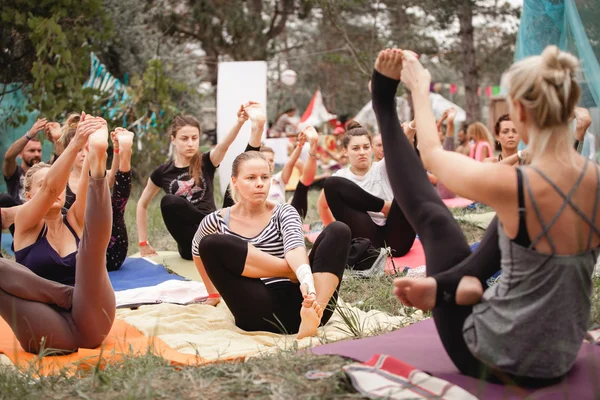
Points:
(469, 291)
(255, 113)
(421, 292)
(416, 292)
(389, 63)
(97, 152)
(125, 139)
(310, 320)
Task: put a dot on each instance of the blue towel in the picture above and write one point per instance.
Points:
(7, 240)
(139, 272)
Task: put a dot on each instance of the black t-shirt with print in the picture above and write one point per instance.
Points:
(14, 185)
(179, 182)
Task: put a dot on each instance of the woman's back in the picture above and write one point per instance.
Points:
(533, 320)
(557, 225)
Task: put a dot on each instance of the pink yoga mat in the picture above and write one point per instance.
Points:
(457, 202)
(419, 345)
(414, 258)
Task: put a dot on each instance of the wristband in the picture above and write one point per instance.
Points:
(520, 154)
(305, 277)
(27, 136)
(214, 296)
(116, 151)
(143, 243)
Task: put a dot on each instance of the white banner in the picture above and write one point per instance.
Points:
(280, 147)
(238, 83)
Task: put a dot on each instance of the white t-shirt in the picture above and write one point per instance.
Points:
(375, 182)
(277, 191)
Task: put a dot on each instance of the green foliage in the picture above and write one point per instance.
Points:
(153, 95)
(46, 50)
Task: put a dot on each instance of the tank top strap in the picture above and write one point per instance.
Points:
(567, 202)
(70, 228)
(43, 232)
(536, 208)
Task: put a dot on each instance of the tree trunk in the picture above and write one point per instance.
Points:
(469, 66)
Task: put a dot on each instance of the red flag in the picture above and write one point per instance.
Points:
(453, 88)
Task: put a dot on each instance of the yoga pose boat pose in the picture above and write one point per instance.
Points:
(187, 182)
(253, 255)
(119, 178)
(548, 225)
(361, 197)
(44, 313)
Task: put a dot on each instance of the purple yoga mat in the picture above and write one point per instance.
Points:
(419, 345)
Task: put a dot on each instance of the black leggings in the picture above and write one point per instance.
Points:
(182, 220)
(448, 255)
(119, 242)
(349, 203)
(273, 307)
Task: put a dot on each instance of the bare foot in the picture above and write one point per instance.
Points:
(416, 292)
(311, 133)
(421, 292)
(125, 139)
(389, 63)
(100, 137)
(469, 291)
(255, 113)
(311, 318)
(98, 144)
(451, 113)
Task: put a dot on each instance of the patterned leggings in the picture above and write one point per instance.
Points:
(119, 242)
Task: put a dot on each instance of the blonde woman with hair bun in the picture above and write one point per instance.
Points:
(548, 235)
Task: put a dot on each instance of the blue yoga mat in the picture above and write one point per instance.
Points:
(139, 272)
(7, 240)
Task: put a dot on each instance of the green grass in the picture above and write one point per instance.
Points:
(279, 376)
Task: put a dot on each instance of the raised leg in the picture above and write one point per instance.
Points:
(119, 241)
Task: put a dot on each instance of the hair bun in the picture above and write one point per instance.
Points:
(560, 66)
(353, 125)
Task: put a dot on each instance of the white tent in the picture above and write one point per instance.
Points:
(439, 104)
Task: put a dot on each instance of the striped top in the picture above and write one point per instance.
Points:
(282, 234)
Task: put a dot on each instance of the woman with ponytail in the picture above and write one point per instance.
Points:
(187, 181)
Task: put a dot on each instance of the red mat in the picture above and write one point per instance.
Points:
(414, 258)
(457, 202)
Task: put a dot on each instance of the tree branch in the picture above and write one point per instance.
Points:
(276, 29)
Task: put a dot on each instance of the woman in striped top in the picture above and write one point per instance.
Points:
(253, 255)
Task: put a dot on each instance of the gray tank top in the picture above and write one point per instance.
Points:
(532, 322)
